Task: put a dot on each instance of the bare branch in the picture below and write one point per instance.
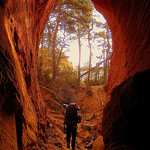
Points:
(94, 67)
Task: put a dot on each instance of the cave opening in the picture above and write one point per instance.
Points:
(73, 64)
(124, 69)
(74, 51)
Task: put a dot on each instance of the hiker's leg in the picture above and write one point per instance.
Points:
(68, 136)
(74, 132)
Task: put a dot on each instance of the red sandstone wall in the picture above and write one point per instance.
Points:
(124, 124)
(129, 23)
(22, 23)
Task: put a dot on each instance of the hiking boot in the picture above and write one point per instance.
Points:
(68, 145)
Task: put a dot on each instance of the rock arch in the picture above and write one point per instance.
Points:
(22, 23)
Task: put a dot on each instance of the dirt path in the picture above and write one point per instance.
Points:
(88, 130)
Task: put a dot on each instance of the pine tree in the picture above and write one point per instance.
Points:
(105, 36)
(73, 17)
(81, 14)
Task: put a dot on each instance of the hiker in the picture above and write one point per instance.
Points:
(72, 118)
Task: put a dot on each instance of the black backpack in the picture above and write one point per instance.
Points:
(71, 114)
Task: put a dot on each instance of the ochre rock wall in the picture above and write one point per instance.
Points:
(124, 124)
(129, 23)
(22, 110)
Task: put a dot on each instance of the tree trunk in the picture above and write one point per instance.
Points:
(92, 68)
(90, 56)
(54, 44)
(59, 57)
(104, 57)
(107, 51)
(79, 43)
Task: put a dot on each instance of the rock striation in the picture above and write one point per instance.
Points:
(22, 110)
(124, 122)
(129, 23)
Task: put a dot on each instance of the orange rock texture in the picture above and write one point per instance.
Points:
(129, 23)
(21, 106)
(98, 144)
(124, 124)
(91, 100)
(21, 25)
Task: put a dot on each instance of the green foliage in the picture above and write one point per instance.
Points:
(69, 76)
(66, 81)
(75, 22)
(64, 90)
(73, 12)
(45, 64)
(75, 17)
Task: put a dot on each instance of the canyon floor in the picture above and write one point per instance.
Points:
(88, 132)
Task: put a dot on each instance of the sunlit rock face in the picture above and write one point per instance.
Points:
(125, 115)
(22, 110)
(129, 23)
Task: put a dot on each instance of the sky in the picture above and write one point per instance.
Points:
(73, 52)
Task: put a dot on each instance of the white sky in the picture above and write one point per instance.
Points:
(74, 49)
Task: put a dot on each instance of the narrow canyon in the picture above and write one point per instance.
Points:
(23, 112)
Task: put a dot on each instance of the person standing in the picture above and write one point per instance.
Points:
(72, 118)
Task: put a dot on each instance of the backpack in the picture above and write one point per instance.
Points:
(71, 118)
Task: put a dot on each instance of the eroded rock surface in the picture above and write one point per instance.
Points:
(129, 23)
(91, 100)
(21, 107)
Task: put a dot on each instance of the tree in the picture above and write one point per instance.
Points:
(54, 43)
(81, 15)
(53, 40)
(90, 49)
(46, 68)
(73, 18)
(105, 36)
